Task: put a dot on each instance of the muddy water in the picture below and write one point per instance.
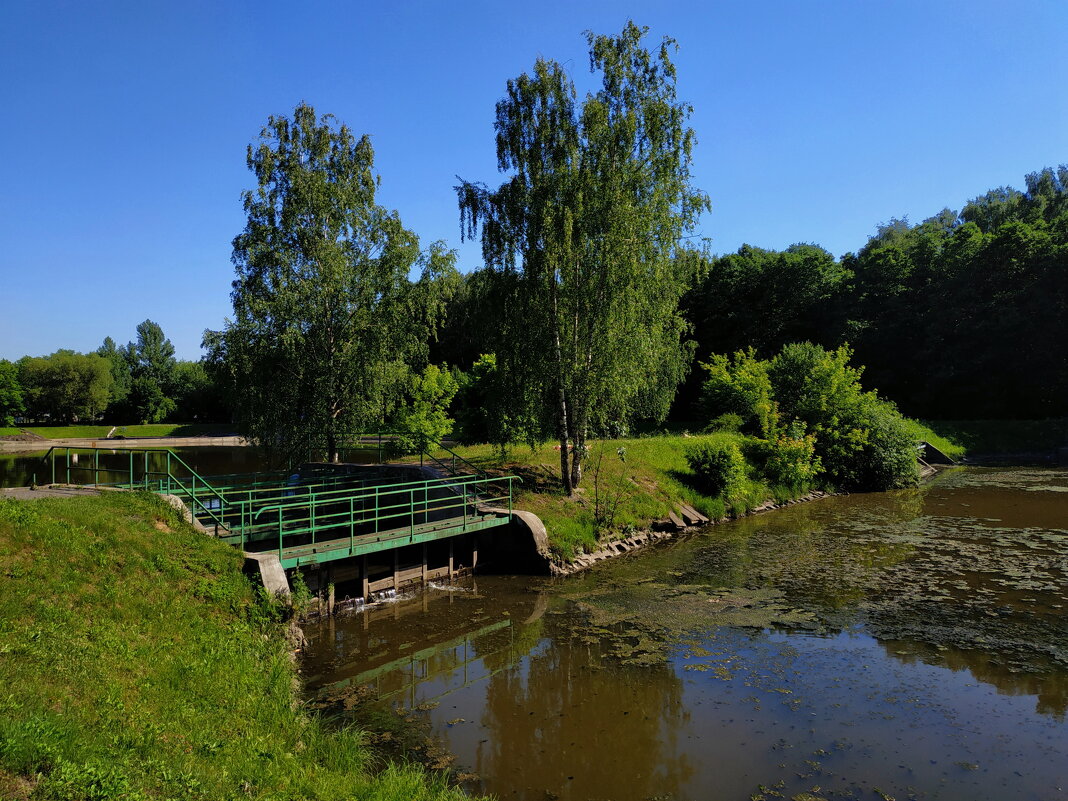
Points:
(903, 645)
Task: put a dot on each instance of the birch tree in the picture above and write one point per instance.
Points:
(326, 318)
(587, 227)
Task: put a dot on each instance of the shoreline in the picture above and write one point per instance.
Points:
(668, 530)
(127, 443)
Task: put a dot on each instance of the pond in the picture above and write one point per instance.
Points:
(19, 469)
(900, 645)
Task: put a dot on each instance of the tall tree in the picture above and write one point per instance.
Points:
(10, 393)
(152, 368)
(326, 318)
(597, 205)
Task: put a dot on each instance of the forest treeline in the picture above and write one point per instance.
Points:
(597, 312)
(961, 316)
(140, 382)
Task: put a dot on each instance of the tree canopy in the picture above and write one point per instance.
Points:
(585, 232)
(326, 321)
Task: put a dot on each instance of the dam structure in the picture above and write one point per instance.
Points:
(381, 525)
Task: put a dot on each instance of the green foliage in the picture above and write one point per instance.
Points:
(939, 311)
(789, 458)
(10, 393)
(720, 467)
(65, 386)
(327, 321)
(861, 440)
(739, 387)
(424, 418)
(484, 408)
(583, 235)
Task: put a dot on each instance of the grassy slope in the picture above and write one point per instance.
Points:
(1005, 436)
(9, 432)
(149, 430)
(649, 482)
(137, 662)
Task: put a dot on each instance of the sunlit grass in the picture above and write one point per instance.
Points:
(147, 430)
(138, 662)
(1004, 436)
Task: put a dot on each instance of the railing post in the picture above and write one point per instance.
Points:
(465, 506)
(311, 516)
(68, 465)
(352, 522)
(377, 515)
(279, 533)
(131, 469)
(96, 467)
(53, 466)
(411, 509)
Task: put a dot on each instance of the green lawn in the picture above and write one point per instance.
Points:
(1005, 436)
(69, 432)
(618, 493)
(9, 432)
(151, 430)
(137, 662)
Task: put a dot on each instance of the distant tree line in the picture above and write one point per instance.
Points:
(140, 382)
(964, 315)
(596, 297)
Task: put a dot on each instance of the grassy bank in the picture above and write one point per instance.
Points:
(627, 484)
(147, 430)
(137, 662)
(993, 437)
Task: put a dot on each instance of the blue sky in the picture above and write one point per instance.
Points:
(125, 126)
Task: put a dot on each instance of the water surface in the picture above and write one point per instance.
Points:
(902, 645)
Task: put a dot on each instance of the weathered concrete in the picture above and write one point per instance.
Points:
(268, 567)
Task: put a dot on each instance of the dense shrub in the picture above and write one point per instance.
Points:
(719, 466)
(739, 386)
(789, 458)
(813, 419)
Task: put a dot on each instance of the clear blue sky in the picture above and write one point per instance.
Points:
(125, 125)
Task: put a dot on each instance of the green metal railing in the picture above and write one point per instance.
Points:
(321, 516)
(139, 473)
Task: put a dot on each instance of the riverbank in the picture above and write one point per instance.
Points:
(40, 444)
(139, 662)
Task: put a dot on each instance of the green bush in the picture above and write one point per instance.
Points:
(789, 458)
(862, 441)
(719, 466)
(739, 387)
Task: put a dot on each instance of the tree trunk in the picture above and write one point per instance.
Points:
(579, 443)
(332, 455)
(565, 475)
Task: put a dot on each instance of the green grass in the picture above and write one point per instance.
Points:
(645, 485)
(9, 432)
(137, 662)
(150, 430)
(1004, 436)
(68, 432)
(949, 445)
(176, 430)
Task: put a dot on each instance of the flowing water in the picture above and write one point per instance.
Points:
(900, 645)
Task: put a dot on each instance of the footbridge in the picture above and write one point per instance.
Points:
(318, 514)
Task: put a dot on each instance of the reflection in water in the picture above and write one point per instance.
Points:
(908, 644)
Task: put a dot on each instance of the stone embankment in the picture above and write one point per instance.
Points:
(683, 520)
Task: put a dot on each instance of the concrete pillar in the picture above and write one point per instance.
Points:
(366, 581)
(396, 569)
(424, 563)
(452, 540)
(474, 552)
